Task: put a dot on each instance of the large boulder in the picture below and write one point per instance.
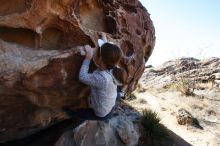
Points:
(39, 62)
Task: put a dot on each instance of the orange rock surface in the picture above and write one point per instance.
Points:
(38, 63)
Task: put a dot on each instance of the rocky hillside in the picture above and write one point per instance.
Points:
(204, 71)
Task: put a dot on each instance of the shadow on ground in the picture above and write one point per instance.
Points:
(49, 136)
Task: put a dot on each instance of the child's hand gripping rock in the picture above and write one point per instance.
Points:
(81, 50)
(85, 50)
(89, 51)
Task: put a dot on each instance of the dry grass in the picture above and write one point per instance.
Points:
(208, 85)
(154, 133)
(185, 85)
(140, 88)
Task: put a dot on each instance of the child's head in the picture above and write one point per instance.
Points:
(110, 56)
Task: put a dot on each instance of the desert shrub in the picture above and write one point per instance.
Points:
(153, 70)
(130, 96)
(154, 133)
(185, 86)
(169, 86)
(140, 88)
(206, 85)
(184, 81)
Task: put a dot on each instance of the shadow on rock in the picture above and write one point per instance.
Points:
(123, 129)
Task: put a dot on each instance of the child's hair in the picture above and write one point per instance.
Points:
(111, 55)
(120, 74)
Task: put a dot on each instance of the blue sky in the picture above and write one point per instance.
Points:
(184, 28)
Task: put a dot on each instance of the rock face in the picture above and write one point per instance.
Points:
(38, 63)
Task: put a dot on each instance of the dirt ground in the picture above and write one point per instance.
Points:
(204, 106)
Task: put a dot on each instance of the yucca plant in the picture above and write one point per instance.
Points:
(154, 133)
(185, 86)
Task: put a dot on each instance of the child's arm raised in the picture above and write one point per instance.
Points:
(91, 79)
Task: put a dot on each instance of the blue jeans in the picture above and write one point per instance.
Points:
(86, 114)
(120, 93)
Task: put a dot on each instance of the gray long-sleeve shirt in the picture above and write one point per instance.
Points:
(103, 88)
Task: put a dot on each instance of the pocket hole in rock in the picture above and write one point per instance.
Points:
(52, 38)
(21, 36)
(111, 25)
(127, 48)
(91, 15)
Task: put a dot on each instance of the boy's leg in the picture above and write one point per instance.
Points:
(120, 93)
(86, 114)
(89, 114)
(82, 113)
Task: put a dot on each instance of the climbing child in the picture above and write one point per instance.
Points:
(103, 81)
